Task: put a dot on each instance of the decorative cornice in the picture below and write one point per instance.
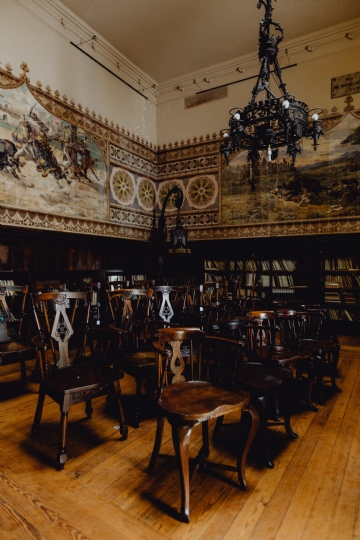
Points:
(37, 220)
(335, 226)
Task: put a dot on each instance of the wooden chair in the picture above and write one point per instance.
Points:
(266, 382)
(287, 353)
(15, 325)
(324, 349)
(130, 309)
(62, 319)
(187, 403)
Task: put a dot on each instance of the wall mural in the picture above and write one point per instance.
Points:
(54, 175)
(325, 184)
(46, 162)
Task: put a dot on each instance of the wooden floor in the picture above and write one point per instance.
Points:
(313, 493)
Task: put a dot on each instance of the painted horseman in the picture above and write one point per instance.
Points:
(35, 145)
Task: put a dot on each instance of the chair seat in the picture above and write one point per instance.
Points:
(261, 376)
(80, 377)
(312, 345)
(197, 401)
(14, 351)
(139, 364)
(283, 355)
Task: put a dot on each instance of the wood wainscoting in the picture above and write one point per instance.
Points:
(105, 493)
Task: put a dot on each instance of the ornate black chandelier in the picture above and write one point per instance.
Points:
(275, 122)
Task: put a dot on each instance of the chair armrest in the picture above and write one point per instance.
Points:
(162, 350)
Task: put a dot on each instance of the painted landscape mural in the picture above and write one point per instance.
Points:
(325, 183)
(46, 163)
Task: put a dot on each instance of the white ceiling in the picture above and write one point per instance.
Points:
(171, 38)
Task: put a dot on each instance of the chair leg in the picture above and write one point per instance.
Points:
(88, 408)
(181, 439)
(310, 383)
(249, 424)
(117, 394)
(61, 457)
(157, 442)
(38, 412)
(335, 353)
(218, 426)
(23, 370)
(138, 401)
(259, 404)
(290, 392)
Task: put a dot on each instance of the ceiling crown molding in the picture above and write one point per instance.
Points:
(321, 43)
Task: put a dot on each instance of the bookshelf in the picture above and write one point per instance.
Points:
(341, 287)
(284, 280)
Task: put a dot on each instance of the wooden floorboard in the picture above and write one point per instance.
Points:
(313, 492)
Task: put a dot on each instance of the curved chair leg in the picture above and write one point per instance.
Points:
(290, 398)
(249, 424)
(88, 408)
(335, 353)
(38, 412)
(157, 442)
(310, 384)
(181, 439)
(117, 393)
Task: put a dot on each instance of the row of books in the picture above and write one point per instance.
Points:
(251, 265)
(345, 281)
(344, 315)
(5, 282)
(345, 297)
(342, 264)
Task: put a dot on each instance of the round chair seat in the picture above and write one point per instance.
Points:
(284, 355)
(203, 400)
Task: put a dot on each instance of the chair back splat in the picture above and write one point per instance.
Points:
(195, 374)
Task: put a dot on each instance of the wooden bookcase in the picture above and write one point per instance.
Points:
(341, 288)
(283, 280)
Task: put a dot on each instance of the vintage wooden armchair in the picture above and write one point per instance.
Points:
(324, 349)
(15, 326)
(130, 309)
(284, 347)
(265, 382)
(193, 394)
(68, 375)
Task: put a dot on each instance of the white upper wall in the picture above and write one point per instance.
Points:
(333, 54)
(31, 32)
